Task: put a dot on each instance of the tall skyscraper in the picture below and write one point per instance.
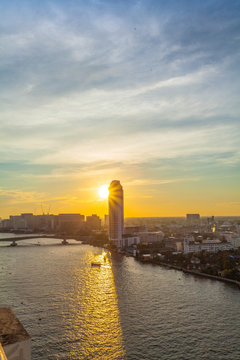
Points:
(116, 217)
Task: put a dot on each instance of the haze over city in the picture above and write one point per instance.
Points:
(142, 91)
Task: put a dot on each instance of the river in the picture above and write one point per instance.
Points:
(122, 310)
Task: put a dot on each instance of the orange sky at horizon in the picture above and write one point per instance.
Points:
(164, 201)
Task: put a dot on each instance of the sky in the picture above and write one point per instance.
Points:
(146, 92)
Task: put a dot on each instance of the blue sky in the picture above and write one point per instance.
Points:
(143, 91)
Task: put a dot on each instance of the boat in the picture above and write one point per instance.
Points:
(13, 244)
(95, 264)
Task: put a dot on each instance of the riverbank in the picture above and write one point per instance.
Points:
(88, 240)
(196, 273)
(187, 271)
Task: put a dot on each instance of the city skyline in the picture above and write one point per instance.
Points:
(145, 92)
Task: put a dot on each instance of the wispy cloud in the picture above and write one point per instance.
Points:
(17, 196)
(149, 182)
(104, 89)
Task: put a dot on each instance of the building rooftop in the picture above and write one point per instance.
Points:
(11, 330)
(209, 241)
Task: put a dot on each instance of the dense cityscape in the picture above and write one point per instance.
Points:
(204, 245)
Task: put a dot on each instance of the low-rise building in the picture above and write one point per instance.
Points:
(5, 224)
(150, 236)
(192, 246)
(173, 243)
(17, 222)
(233, 239)
(130, 240)
(93, 222)
(70, 222)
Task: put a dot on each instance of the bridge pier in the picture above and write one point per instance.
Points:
(13, 243)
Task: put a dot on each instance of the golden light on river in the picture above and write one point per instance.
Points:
(95, 330)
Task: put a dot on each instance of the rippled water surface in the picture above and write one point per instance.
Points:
(122, 310)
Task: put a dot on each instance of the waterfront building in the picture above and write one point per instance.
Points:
(151, 236)
(17, 222)
(45, 222)
(29, 220)
(70, 222)
(192, 246)
(93, 222)
(173, 243)
(116, 213)
(129, 240)
(5, 224)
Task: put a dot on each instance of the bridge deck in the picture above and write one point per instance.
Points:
(19, 238)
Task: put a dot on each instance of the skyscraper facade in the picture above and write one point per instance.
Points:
(116, 215)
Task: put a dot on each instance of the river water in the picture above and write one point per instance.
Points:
(122, 310)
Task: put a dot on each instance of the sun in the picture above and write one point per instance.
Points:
(103, 191)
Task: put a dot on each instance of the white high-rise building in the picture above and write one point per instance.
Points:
(116, 217)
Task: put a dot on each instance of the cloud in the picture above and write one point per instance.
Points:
(149, 182)
(132, 147)
(102, 89)
(16, 196)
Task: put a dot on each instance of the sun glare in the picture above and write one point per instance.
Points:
(103, 191)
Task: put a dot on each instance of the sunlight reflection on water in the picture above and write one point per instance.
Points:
(123, 309)
(95, 321)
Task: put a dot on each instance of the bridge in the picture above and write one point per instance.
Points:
(14, 240)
